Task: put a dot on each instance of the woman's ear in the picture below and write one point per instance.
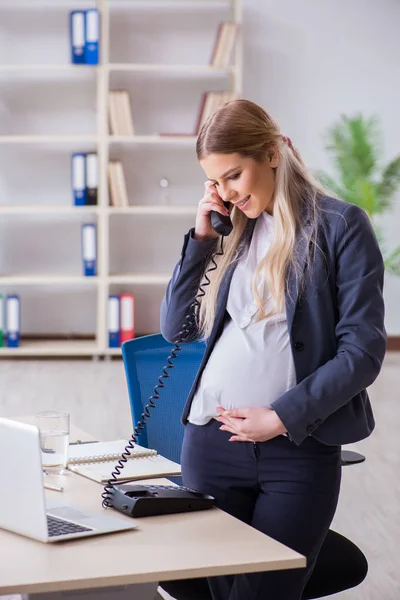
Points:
(273, 157)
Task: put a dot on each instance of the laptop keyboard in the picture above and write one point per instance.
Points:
(57, 526)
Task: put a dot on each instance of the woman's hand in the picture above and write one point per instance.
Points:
(253, 424)
(210, 201)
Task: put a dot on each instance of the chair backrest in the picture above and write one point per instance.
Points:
(144, 359)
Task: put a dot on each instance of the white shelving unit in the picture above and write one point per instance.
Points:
(137, 245)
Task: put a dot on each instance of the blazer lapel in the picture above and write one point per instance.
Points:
(293, 283)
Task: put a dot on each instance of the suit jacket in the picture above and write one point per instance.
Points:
(335, 324)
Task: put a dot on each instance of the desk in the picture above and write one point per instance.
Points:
(181, 546)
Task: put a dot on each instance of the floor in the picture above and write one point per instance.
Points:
(369, 509)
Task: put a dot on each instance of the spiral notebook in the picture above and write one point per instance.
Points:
(97, 461)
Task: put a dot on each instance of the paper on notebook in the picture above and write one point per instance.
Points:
(103, 452)
(139, 468)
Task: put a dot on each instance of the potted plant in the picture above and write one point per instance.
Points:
(354, 144)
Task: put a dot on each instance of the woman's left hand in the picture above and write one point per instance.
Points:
(253, 424)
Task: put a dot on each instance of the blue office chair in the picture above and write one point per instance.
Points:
(341, 565)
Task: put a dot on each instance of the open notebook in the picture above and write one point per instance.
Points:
(97, 460)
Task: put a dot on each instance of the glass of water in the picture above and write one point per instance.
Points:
(54, 439)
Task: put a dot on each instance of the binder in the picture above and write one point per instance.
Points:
(1, 321)
(13, 320)
(77, 36)
(127, 317)
(78, 178)
(113, 321)
(89, 249)
(92, 34)
(92, 179)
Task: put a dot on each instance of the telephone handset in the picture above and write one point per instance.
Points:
(220, 223)
(136, 500)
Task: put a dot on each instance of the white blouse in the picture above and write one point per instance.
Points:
(251, 364)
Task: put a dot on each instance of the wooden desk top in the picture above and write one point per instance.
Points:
(181, 546)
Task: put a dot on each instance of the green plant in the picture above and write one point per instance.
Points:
(355, 147)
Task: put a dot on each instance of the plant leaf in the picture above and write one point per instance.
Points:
(392, 262)
(354, 144)
(390, 180)
(364, 194)
(331, 185)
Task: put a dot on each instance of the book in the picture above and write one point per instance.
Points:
(78, 178)
(210, 102)
(113, 120)
(224, 44)
(117, 184)
(113, 321)
(13, 319)
(92, 34)
(126, 112)
(121, 184)
(89, 249)
(97, 460)
(127, 317)
(92, 177)
(77, 36)
(120, 113)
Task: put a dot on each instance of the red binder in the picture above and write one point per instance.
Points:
(127, 317)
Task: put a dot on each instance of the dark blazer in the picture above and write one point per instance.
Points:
(336, 324)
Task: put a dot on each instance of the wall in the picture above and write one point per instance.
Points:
(307, 62)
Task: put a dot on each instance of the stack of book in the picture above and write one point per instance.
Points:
(117, 185)
(84, 178)
(10, 318)
(224, 44)
(84, 36)
(121, 319)
(120, 114)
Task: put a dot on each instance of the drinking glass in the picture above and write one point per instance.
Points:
(54, 440)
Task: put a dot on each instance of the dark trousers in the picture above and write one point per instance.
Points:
(288, 492)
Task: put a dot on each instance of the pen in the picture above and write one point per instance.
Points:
(56, 488)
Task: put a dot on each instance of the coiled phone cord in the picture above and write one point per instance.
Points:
(187, 327)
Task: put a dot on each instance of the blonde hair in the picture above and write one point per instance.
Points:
(243, 127)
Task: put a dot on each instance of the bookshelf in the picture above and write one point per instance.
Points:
(159, 51)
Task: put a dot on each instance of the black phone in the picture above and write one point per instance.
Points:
(149, 500)
(220, 223)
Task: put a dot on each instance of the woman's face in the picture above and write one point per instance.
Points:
(244, 182)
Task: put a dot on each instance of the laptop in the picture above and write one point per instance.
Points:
(23, 507)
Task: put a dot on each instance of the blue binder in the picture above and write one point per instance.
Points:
(13, 318)
(78, 178)
(114, 310)
(77, 36)
(92, 36)
(89, 249)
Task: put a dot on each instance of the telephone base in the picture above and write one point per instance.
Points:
(148, 500)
